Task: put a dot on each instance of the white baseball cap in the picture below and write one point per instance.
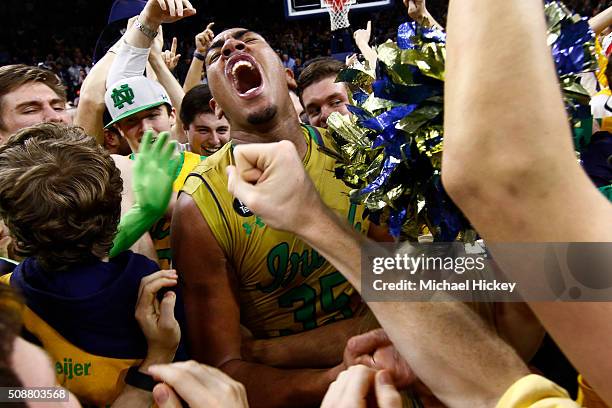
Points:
(132, 95)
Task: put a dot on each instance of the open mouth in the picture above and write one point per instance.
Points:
(245, 75)
(209, 151)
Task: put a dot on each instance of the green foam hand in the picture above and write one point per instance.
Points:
(153, 174)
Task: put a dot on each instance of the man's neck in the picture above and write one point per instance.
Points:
(281, 130)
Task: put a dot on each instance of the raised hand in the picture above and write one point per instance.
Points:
(154, 172)
(170, 57)
(203, 40)
(157, 45)
(167, 11)
(417, 9)
(269, 178)
(362, 36)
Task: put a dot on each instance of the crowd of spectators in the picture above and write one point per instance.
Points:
(35, 39)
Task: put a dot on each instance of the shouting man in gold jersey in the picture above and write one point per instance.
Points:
(262, 305)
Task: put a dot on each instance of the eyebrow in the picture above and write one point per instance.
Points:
(37, 102)
(237, 35)
(332, 96)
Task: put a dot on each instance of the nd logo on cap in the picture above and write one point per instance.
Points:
(129, 96)
(122, 95)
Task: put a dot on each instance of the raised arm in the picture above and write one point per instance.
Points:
(530, 144)
(602, 20)
(134, 51)
(362, 40)
(151, 187)
(202, 42)
(417, 10)
(169, 82)
(476, 366)
(523, 197)
(90, 112)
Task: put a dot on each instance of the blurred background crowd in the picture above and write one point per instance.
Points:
(63, 35)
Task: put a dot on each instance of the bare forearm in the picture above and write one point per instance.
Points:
(590, 354)
(601, 20)
(322, 347)
(521, 199)
(474, 73)
(271, 387)
(194, 75)
(477, 365)
(168, 81)
(477, 378)
(91, 108)
(369, 54)
(529, 144)
(175, 92)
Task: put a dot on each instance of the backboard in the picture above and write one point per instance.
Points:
(311, 8)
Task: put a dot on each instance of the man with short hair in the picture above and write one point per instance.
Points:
(137, 104)
(28, 96)
(237, 271)
(321, 95)
(60, 195)
(206, 133)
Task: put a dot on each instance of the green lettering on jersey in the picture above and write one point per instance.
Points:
(284, 266)
(278, 260)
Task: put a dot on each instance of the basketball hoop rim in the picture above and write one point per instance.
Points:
(338, 5)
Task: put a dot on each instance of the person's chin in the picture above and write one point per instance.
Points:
(263, 115)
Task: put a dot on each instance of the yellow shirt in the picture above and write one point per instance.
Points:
(95, 380)
(285, 286)
(533, 391)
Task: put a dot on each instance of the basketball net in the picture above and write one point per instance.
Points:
(338, 13)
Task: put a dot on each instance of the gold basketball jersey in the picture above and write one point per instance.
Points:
(285, 286)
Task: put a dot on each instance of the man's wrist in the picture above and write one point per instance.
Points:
(199, 55)
(156, 61)
(149, 21)
(156, 358)
(317, 219)
(139, 380)
(145, 29)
